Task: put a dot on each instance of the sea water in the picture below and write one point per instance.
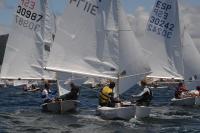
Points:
(21, 112)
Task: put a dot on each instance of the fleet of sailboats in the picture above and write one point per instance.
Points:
(94, 39)
(98, 44)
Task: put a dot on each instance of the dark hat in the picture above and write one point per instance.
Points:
(112, 84)
(72, 84)
(143, 82)
(198, 87)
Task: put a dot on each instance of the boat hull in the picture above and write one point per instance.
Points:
(60, 106)
(125, 113)
(142, 112)
(189, 101)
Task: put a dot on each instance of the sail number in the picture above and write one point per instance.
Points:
(161, 27)
(27, 18)
(162, 5)
(159, 31)
(28, 14)
(28, 3)
(26, 23)
(161, 23)
(86, 5)
(158, 21)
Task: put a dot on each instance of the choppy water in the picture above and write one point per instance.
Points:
(20, 112)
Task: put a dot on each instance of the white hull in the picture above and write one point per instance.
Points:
(60, 106)
(189, 101)
(142, 112)
(126, 112)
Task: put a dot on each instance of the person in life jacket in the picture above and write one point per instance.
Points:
(144, 98)
(106, 96)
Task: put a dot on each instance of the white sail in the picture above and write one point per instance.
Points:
(163, 39)
(79, 30)
(183, 54)
(62, 88)
(48, 32)
(64, 80)
(24, 55)
(191, 58)
(94, 38)
(132, 63)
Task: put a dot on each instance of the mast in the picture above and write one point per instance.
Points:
(181, 36)
(117, 86)
(118, 74)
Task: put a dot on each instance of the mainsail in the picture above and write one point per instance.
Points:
(24, 55)
(94, 38)
(166, 30)
(64, 80)
(191, 58)
(163, 39)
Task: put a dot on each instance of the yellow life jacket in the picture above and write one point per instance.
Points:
(104, 96)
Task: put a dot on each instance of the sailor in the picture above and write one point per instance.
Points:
(198, 89)
(46, 93)
(181, 91)
(73, 94)
(194, 93)
(106, 96)
(33, 88)
(143, 98)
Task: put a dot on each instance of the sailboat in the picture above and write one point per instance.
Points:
(63, 106)
(191, 69)
(29, 45)
(94, 39)
(24, 55)
(165, 29)
(159, 31)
